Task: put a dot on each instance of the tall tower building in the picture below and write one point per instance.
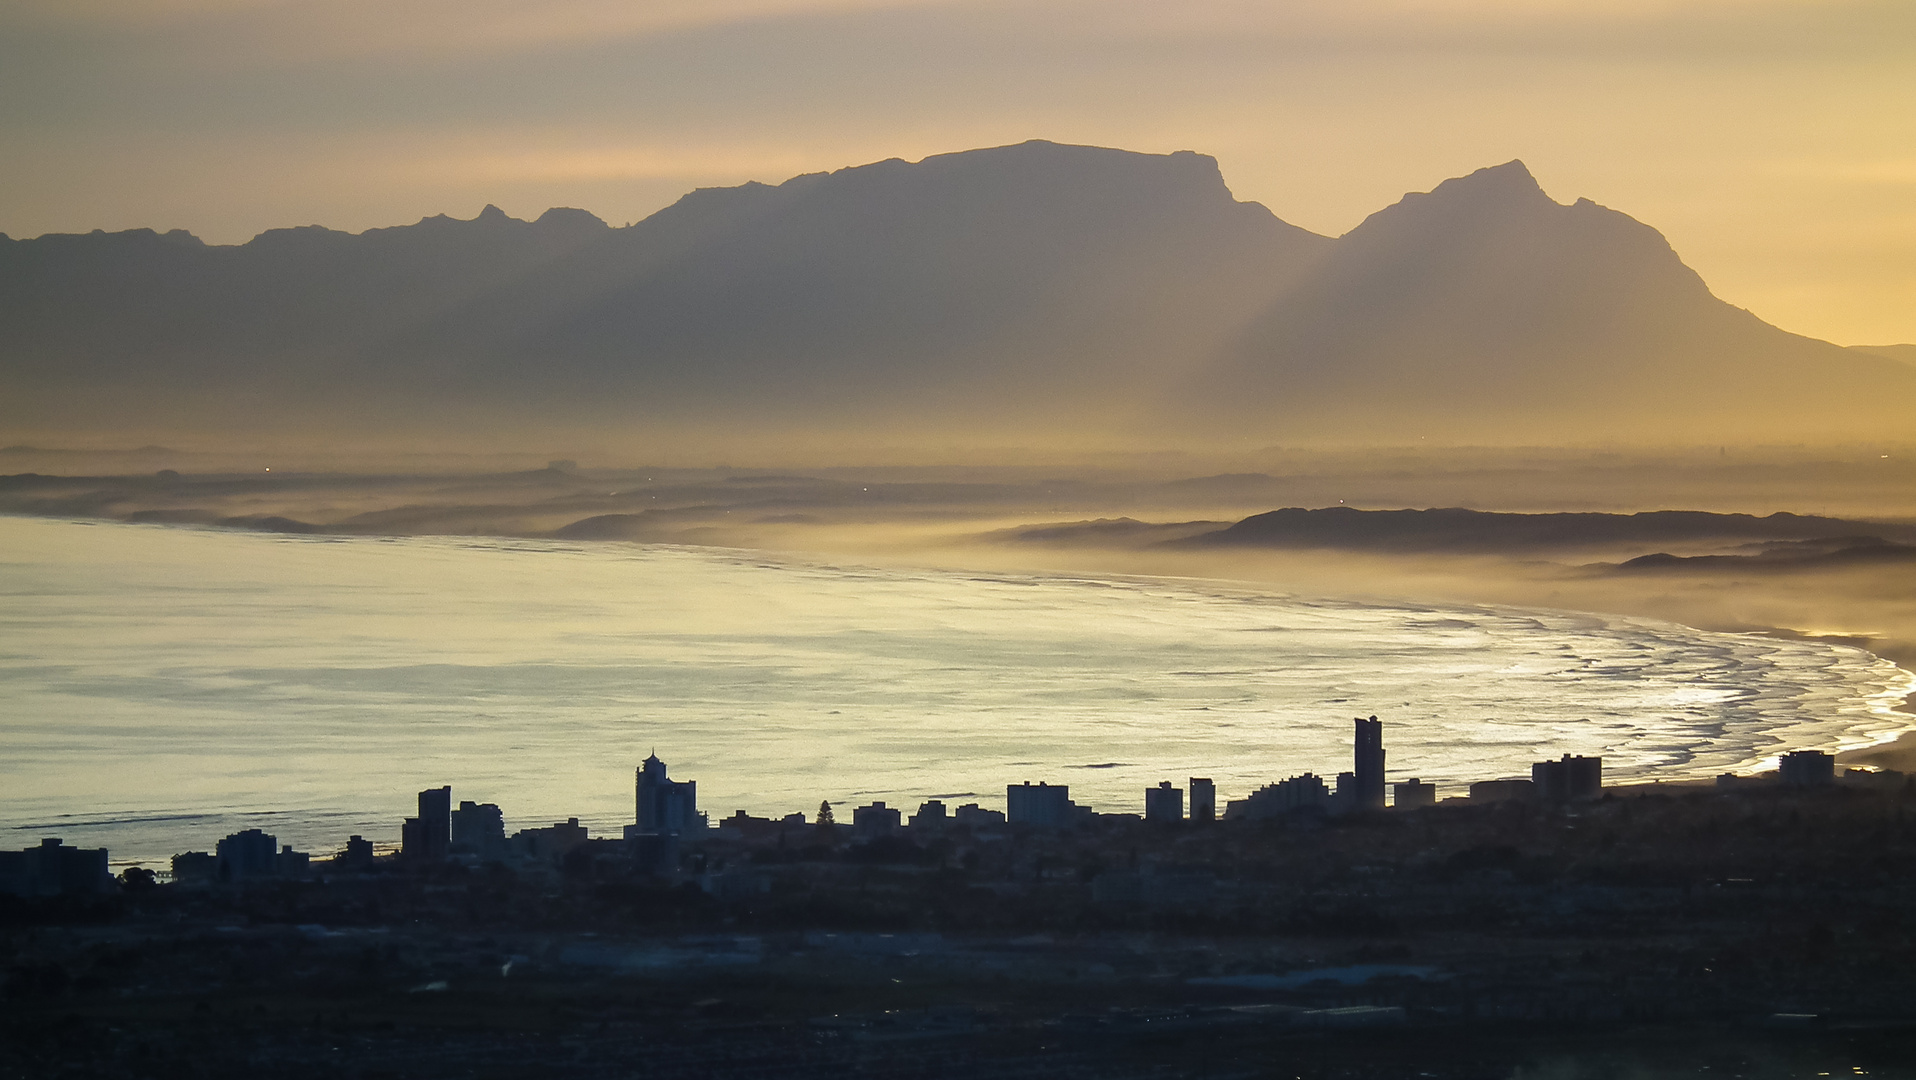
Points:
(1369, 768)
(434, 831)
(665, 807)
(1203, 800)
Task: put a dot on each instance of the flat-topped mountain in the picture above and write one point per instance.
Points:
(1035, 292)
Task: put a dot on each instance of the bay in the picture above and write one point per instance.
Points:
(161, 687)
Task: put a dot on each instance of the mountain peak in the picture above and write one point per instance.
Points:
(492, 214)
(1509, 182)
(1463, 202)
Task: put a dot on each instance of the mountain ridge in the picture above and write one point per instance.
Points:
(1036, 289)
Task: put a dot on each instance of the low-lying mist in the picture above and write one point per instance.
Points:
(1146, 515)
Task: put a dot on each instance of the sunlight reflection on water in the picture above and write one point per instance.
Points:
(163, 686)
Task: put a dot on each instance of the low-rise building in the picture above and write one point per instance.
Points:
(931, 817)
(1412, 794)
(973, 816)
(876, 820)
(1298, 793)
(550, 843)
(53, 869)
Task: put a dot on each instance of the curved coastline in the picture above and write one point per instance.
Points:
(743, 662)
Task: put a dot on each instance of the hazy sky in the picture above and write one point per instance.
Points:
(1773, 141)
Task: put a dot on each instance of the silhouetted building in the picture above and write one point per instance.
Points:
(930, 817)
(973, 816)
(744, 826)
(1164, 802)
(1299, 793)
(666, 805)
(358, 854)
(550, 843)
(291, 864)
(53, 869)
(871, 822)
(1203, 800)
(1502, 790)
(1045, 806)
(428, 837)
(1569, 779)
(479, 829)
(196, 866)
(1806, 768)
(1343, 793)
(1880, 779)
(1413, 793)
(1369, 767)
(248, 853)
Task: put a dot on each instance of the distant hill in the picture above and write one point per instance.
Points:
(1843, 553)
(1037, 292)
(1458, 530)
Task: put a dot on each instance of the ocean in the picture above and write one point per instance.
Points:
(161, 687)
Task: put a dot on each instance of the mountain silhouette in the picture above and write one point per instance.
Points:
(1037, 289)
(993, 280)
(1485, 305)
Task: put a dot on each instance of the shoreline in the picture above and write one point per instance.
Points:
(1899, 753)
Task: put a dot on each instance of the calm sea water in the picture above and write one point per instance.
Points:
(161, 687)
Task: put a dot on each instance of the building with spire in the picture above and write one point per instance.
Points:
(666, 807)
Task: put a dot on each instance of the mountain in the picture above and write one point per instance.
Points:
(1486, 308)
(1036, 293)
(107, 329)
(991, 281)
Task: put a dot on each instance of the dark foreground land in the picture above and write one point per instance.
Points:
(1756, 932)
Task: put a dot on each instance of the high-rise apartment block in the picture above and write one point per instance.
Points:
(1369, 768)
(1046, 806)
(428, 837)
(1806, 768)
(666, 806)
(876, 820)
(1164, 803)
(1203, 800)
(479, 829)
(1569, 779)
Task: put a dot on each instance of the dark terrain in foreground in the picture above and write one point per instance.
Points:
(1754, 931)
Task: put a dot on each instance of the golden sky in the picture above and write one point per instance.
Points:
(1773, 141)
